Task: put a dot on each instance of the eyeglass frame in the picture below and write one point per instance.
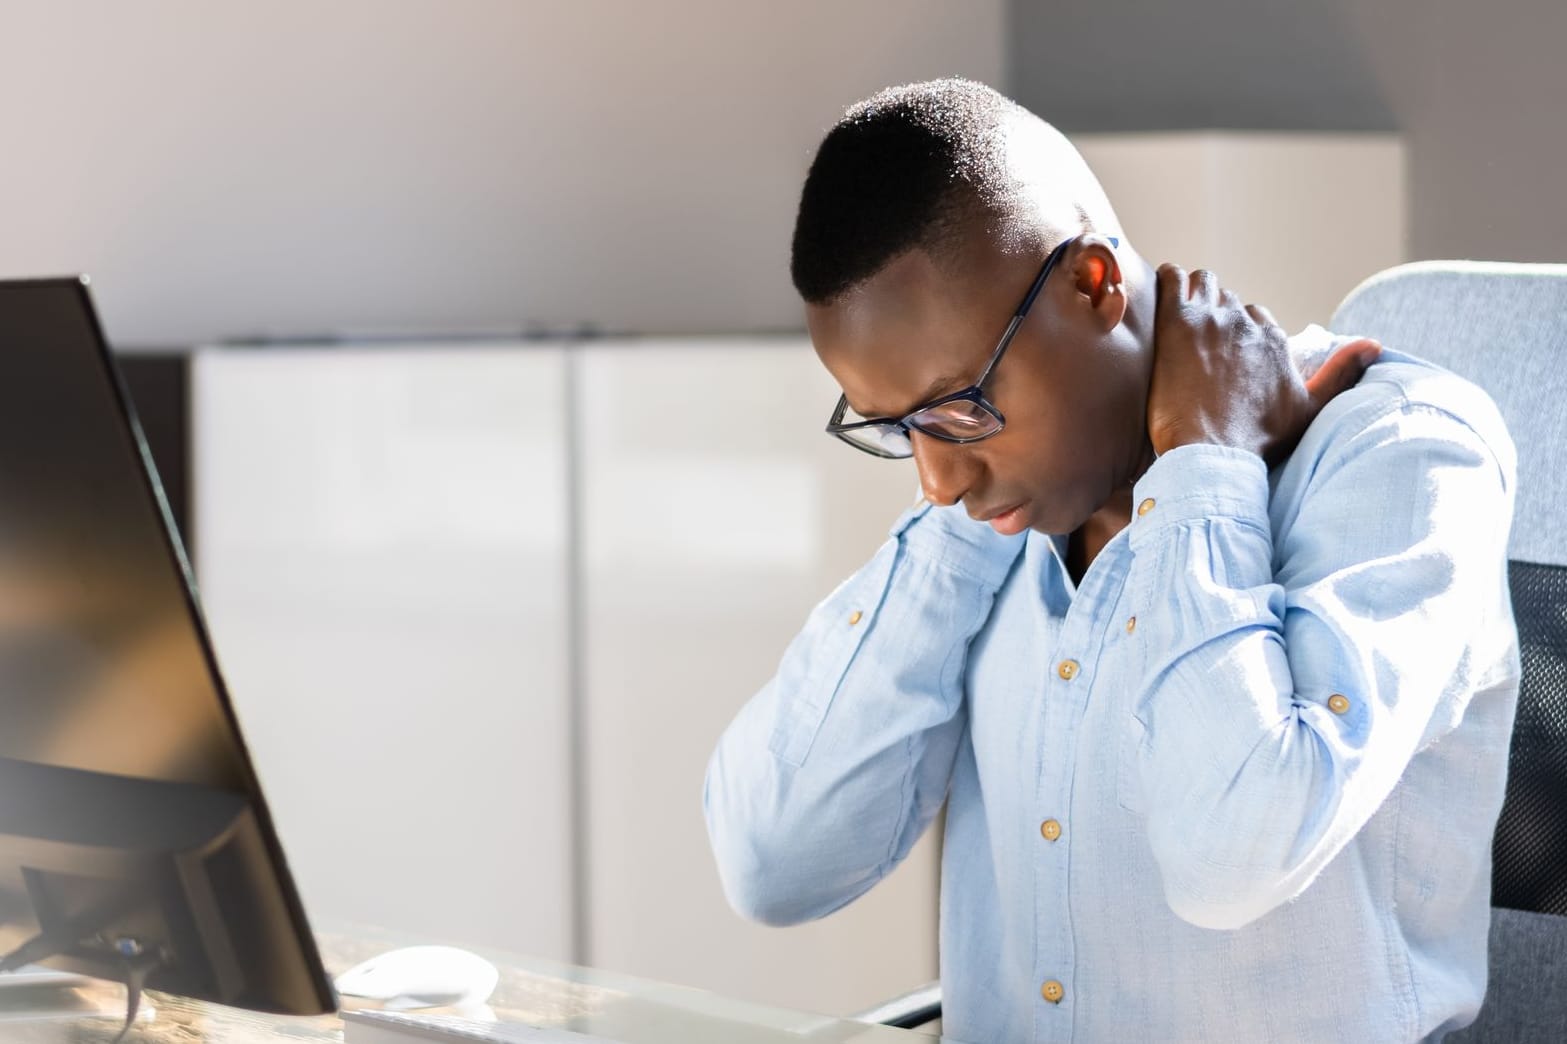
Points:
(973, 393)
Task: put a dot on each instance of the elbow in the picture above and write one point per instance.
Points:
(1227, 914)
(758, 896)
(758, 886)
(756, 881)
(1257, 849)
(1206, 894)
(778, 888)
(783, 859)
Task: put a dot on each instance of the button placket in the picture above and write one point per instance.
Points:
(1085, 636)
(1065, 701)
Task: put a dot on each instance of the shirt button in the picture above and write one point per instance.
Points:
(1052, 991)
(1131, 624)
(1145, 507)
(1050, 829)
(1338, 703)
(1067, 670)
(855, 617)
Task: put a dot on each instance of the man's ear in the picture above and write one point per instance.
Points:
(1096, 275)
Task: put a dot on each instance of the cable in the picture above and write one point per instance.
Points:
(136, 975)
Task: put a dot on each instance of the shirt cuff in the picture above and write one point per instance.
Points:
(1199, 481)
(949, 537)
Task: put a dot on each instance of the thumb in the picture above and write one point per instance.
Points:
(1343, 370)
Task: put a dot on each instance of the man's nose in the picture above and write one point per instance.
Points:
(946, 471)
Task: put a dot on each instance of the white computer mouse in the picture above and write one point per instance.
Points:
(422, 977)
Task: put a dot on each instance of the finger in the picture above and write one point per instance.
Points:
(1261, 316)
(1172, 286)
(1367, 349)
(1235, 309)
(1342, 371)
(1204, 287)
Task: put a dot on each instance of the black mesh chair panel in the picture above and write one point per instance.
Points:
(1531, 837)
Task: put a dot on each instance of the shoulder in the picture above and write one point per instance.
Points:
(1402, 398)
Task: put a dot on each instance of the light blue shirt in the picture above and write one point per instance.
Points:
(1275, 790)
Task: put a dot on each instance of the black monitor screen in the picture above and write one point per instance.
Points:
(133, 832)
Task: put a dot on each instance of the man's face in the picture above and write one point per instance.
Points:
(1072, 386)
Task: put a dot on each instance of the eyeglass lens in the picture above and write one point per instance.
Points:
(961, 419)
(884, 439)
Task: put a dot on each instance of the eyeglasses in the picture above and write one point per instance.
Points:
(962, 417)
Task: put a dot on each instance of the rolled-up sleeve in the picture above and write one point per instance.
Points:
(828, 776)
(1288, 686)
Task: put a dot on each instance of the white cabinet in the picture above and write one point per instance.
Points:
(381, 550)
(715, 514)
(423, 565)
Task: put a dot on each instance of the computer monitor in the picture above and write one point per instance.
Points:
(135, 843)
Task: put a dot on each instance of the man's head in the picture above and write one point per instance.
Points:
(924, 219)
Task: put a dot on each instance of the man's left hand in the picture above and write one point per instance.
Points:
(1223, 372)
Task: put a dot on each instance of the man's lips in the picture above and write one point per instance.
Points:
(1008, 520)
(987, 516)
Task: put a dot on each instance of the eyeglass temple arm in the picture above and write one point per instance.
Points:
(1001, 346)
(1028, 302)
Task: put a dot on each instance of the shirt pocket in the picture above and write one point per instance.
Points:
(826, 649)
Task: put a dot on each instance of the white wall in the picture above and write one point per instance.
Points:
(1290, 221)
(293, 166)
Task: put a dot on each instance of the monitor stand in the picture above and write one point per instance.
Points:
(117, 874)
(136, 966)
(33, 994)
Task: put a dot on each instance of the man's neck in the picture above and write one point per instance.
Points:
(1116, 512)
(1141, 306)
(1084, 545)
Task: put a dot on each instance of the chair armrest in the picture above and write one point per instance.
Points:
(907, 1011)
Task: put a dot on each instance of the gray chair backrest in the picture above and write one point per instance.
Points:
(1504, 327)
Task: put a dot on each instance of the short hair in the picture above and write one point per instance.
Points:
(910, 167)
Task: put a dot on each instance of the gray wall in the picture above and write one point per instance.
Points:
(1478, 91)
(292, 167)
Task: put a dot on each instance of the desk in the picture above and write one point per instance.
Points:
(619, 1007)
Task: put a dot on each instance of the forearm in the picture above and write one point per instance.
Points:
(828, 776)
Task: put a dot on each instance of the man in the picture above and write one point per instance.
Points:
(1213, 664)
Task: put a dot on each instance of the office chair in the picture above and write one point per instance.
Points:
(1504, 327)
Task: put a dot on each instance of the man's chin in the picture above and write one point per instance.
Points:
(1056, 523)
(1042, 513)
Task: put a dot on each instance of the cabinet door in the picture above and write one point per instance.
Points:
(382, 549)
(715, 514)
